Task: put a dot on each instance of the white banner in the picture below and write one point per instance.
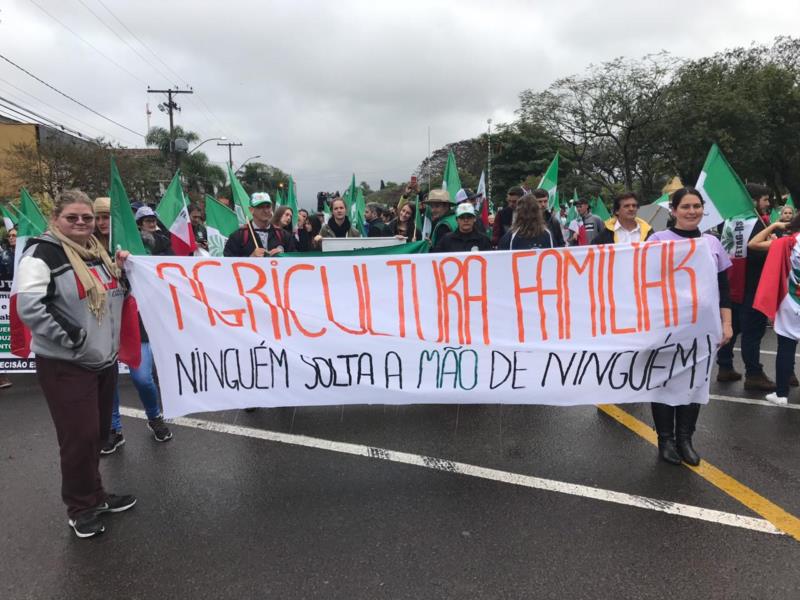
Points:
(569, 326)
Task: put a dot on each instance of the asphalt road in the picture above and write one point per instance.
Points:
(517, 502)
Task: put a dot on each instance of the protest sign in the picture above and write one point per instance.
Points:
(565, 326)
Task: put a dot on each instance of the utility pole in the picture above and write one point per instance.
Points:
(489, 164)
(230, 152)
(169, 107)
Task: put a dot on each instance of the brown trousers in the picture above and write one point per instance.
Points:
(80, 404)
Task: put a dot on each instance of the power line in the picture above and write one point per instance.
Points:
(48, 121)
(124, 41)
(55, 108)
(225, 129)
(88, 43)
(68, 97)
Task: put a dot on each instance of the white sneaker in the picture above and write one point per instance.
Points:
(775, 399)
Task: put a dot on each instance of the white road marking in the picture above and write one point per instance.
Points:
(739, 400)
(440, 464)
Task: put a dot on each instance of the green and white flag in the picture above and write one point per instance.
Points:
(549, 182)
(221, 222)
(241, 201)
(9, 218)
(451, 182)
(354, 200)
(663, 201)
(726, 198)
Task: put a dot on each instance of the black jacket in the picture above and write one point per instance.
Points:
(241, 243)
(376, 228)
(455, 241)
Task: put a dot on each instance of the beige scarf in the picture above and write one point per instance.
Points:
(77, 256)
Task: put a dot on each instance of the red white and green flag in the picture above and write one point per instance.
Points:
(483, 201)
(173, 212)
(575, 223)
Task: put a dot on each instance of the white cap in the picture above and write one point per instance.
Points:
(465, 209)
(143, 212)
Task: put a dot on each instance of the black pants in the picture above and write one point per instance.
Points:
(80, 403)
(751, 324)
(675, 421)
(784, 364)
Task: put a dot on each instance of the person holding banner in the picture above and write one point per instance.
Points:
(675, 425)
(253, 239)
(338, 225)
(466, 238)
(70, 296)
(280, 234)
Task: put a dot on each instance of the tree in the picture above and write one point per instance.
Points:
(366, 188)
(200, 174)
(606, 120)
(159, 137)
(261, 177)
(747, 100)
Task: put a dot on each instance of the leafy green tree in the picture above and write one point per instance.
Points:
(158, 137)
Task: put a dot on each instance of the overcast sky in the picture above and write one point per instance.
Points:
(325, 89)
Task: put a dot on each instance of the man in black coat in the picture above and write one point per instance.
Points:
(466, 238)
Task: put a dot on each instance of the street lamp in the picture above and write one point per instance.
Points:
(223, 138)
(247, 161)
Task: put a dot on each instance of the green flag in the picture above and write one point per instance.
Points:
(221, 222)
(241, 201)
(724, 193)
(354, 199)
(451, 182)
(291, 201)
(280, 200)
(124, 233)
(599, 208)
(549, 182)
(775, 215)
(30, 211)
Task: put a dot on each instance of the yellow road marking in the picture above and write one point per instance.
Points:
(773, 513)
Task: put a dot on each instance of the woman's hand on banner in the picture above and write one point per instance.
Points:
(121, 256)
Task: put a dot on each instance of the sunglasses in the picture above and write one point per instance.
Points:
(75, 218)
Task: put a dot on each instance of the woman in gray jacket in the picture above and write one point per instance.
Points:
(70, 296)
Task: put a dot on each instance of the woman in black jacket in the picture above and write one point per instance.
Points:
(403, 225)
(280, 234)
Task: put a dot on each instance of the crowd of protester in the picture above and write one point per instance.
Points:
(76, 340)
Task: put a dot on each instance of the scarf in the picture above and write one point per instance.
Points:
(339, 230)
(78, 256)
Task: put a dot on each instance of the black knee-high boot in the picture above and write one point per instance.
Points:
(664, 419)
(685, 421)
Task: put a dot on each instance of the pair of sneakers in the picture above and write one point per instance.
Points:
(161, 433)
(88, 524)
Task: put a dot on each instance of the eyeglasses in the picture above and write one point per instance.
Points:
(75, 218)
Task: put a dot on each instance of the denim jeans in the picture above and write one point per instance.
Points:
(784, 365)
(146, 386)
(751, 324)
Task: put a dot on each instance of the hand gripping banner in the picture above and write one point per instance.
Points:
(565, 326)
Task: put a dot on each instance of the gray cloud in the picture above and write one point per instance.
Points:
(325, 89)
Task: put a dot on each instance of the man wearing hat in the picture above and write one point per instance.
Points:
(466, 238)
(442, 216)
(253, 239)
(467, 195)
(592, 224)
(156, 241)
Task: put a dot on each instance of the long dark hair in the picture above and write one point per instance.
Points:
(279, 212)
(528, 218)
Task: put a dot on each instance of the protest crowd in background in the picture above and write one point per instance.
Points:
(449, 219)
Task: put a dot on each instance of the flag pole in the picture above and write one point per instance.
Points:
(489, 164)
